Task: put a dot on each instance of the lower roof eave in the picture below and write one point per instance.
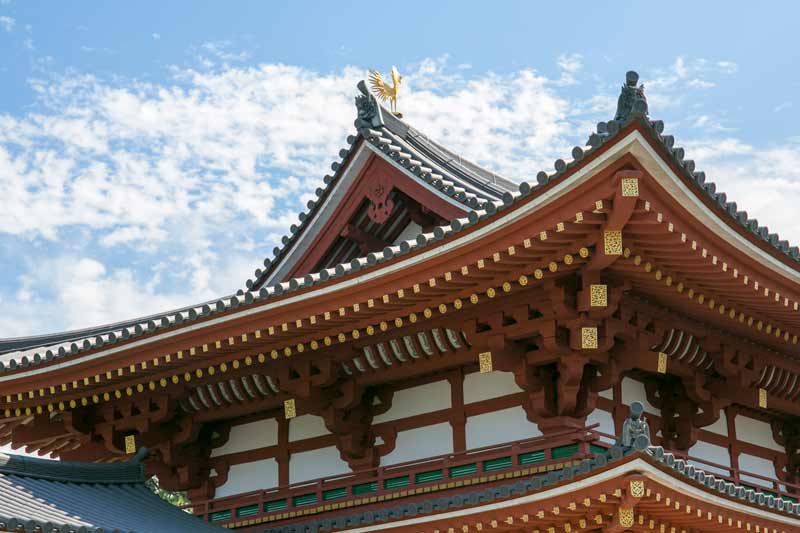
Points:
(638, 464)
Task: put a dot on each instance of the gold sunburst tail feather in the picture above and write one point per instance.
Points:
(379, 86)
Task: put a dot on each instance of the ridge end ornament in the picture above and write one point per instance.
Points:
(632, 101)
(384, 91)
(635, 430)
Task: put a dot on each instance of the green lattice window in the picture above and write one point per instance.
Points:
(247, 510)
(220, 516)
(497, 464)
(463, 470)
(275, 505)
(396, 482)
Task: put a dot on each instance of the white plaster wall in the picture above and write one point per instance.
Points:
(710, 452)
(421, 443)
(606, 421)
(315, 464)
(632, 391)
(250, 436)
(417, 400)
(608, 393)
(251, 476)
(489, 385)
(499, 427)
(409, 232)
(720, 427)
(756, 432)
(306, 426)
(756, 465)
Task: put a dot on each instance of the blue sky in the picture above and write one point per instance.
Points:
(152, 153)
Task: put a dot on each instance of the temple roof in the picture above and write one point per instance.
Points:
(639, 459)
(415, 154)
(55, 496)
(483, 194)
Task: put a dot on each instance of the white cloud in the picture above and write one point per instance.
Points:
(570, 65)
(7, 23)
(667, 87)
(156, 36)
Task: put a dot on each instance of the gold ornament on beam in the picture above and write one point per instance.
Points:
(485, 362)
(662, 363)
(130, 444)
(384, 91)
(289, 409)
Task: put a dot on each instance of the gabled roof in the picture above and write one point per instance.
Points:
(412, 152)
(483, 194)
(54, 496)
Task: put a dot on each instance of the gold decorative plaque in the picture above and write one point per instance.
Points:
(589, 337)
(612, 242)
(626, 516)
(130, 444)
(598, 295)
(630, 187)
(485, 362)
(637, 488)
(762, 398)
(662, 363)
(289, 409)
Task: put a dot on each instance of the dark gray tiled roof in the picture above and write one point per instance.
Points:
(457, 182)
(53, 496)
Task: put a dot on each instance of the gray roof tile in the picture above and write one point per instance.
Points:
(49, 496)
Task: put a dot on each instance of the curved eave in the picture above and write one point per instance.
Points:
(639, 138)
(639, 465)
(602, 479)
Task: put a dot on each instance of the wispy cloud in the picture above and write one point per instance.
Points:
(7, 23)
(97, 50)
(570, 65)
(668, 86)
